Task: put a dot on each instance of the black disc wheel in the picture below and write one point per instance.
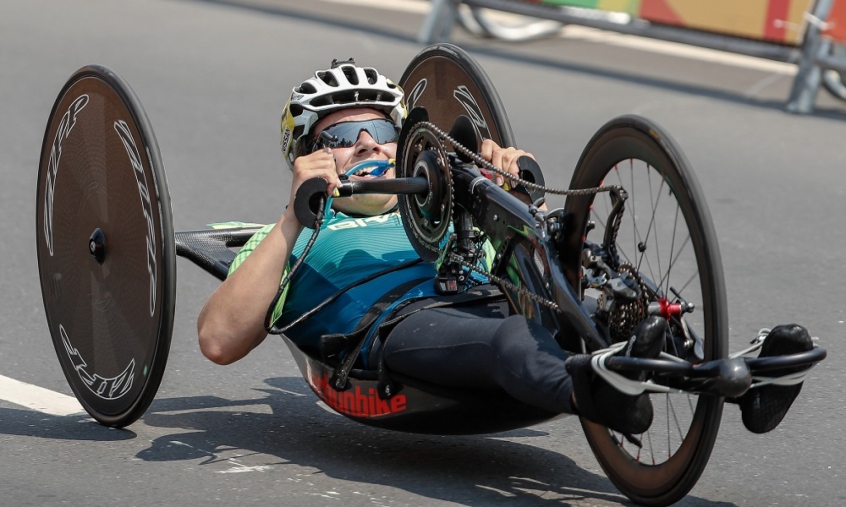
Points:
(441, 84)
(105, 246)
(448, 83)
(667, 240)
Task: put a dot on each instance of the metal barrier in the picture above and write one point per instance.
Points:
(815, 43)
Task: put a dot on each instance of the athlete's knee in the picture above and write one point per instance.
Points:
(517, 337)
(521, 344)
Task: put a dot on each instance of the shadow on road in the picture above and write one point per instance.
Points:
(34, 424)
(478, 469)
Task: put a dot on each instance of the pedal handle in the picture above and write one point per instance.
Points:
(531, 172)
(307, 201)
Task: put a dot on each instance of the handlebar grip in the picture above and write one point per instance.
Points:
(531, 171)
(310, 198)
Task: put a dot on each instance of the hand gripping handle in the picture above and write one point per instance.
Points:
(309, 201)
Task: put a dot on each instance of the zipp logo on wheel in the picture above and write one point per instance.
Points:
(65, 126)
(462, 94)
(125, 135)
(106, 388)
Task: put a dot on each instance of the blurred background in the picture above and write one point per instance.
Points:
(214, 75)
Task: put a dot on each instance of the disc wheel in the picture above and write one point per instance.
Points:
(105, 246)
(667, 237)
(448, 83)
(442, 83)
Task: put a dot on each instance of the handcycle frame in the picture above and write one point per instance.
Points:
(518, 231)
(99, 153)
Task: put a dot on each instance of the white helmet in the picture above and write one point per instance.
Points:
(343, 86)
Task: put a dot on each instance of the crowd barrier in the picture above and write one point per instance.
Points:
(808, 33)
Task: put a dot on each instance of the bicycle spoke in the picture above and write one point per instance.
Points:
(669, 444)
(651, 448)
(673, 261)
(672, 246)
(694, 275)
(654, 206)
(652, 219)
(633, 200)
(675, 418)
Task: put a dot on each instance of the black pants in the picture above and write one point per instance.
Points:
(479, 347)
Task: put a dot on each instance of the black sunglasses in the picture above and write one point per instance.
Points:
(345, 134)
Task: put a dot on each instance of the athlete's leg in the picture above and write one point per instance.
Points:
(472, 347)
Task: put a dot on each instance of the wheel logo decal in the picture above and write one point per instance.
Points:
(416, 92)
(125, 135)
(62, 133)
(463, 95)
(105, 388)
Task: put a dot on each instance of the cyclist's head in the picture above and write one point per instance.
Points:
(343, 86)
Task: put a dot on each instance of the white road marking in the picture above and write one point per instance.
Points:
(576, 32)
(37, 398)
(326, 408)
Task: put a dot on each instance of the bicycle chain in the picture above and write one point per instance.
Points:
(481, 162)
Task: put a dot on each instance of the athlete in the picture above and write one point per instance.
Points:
(346, 115)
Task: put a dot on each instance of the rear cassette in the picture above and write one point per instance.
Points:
(105, 246)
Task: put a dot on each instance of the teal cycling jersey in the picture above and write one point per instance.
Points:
(347, 250)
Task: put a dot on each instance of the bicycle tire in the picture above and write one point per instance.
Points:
(105, 245)
(623, 141)
(447, 82)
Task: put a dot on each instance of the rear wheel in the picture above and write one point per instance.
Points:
(105, 246)
(666, 237)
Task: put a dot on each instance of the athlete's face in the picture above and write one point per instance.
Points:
(365, 148)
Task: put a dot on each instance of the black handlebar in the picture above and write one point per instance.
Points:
(311, 196)
(406, 186)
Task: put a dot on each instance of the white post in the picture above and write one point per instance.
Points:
(438, 23)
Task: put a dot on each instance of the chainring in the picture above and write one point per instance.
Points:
(426, 219)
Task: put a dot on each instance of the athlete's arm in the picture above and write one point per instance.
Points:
(231, 322)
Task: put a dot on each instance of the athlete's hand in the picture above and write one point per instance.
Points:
(504, 158)
(320, 164)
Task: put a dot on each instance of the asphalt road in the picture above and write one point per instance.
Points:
(213, 77)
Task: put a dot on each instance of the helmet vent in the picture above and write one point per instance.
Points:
(327, 78)
(306, 88)
(371, 74)
(349, 71)
(325, 100)
(296, 110)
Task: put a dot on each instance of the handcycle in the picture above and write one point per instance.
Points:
(633, 239)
